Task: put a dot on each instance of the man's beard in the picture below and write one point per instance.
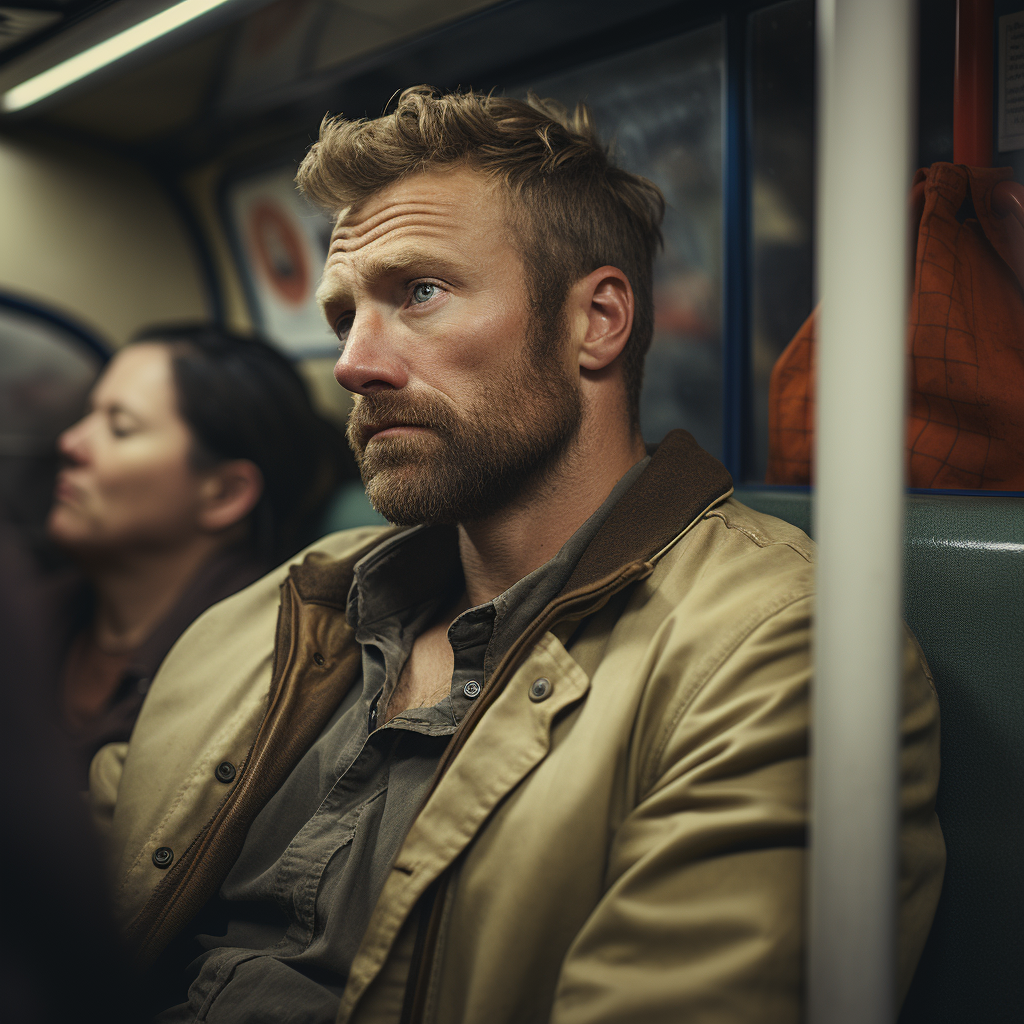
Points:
(474, 462)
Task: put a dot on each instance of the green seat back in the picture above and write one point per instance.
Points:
(964, 600)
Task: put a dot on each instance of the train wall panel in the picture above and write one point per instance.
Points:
(96, 238)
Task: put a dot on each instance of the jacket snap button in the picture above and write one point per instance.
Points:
(163, 856)
(471, 689)
(318, 658)
(225, 772)
(541, 689)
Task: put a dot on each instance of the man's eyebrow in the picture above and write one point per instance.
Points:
(374, 268)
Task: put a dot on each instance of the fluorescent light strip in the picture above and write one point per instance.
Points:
(61, 75)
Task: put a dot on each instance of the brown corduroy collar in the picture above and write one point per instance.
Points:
(680, 482)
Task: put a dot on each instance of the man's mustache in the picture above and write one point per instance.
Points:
(376, 412)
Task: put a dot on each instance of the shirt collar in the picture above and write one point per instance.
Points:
(419, 565)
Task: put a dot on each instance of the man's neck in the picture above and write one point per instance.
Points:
(499, 551)
(137, 590)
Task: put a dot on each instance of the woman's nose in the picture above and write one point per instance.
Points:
(72, 443)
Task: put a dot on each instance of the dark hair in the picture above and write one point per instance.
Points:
(243, 399)
(571, 210)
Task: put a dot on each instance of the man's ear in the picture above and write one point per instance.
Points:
(603, 301)
(230, 494)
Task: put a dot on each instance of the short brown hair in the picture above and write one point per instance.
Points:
(571, 210)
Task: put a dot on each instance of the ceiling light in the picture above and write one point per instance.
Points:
(61, 75)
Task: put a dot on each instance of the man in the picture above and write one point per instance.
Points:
(543, 755)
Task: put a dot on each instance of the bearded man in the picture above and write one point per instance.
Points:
(539, 753)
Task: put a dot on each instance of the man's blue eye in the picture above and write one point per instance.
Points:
(423, 292)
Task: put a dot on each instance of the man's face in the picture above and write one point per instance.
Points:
(461, 398)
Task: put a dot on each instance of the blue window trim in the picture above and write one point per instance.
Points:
(737, 419)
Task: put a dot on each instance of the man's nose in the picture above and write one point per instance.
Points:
(369, 360)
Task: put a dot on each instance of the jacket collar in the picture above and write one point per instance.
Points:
(679, 483)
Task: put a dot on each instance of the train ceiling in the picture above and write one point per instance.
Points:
(241, 60)
(254, 75)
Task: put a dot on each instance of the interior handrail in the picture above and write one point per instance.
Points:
(1008, 202)
(1007, 199)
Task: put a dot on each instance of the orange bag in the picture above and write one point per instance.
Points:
(966, 345)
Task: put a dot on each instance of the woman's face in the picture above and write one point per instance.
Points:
(127, 481)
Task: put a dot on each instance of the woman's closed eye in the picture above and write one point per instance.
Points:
(121, 423)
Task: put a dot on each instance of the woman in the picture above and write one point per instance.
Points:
(199, 466)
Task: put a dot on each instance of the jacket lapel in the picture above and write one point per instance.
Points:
(507, 744)
(681, 482)
(502, 738)
(316, 661)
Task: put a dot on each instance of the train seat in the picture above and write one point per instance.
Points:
(964, 600)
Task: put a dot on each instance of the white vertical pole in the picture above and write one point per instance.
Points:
(867, 56)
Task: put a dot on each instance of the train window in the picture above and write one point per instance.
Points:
(661, 108)
(782, 185)
(965, 429)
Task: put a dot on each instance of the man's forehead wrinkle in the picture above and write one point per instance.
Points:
(355, 225)
(429, 219)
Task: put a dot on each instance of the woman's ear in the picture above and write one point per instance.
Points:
(230, 493)
(604, 304)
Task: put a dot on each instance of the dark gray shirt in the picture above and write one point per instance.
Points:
(293, 909)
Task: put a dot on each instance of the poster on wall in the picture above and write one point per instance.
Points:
(282, 242)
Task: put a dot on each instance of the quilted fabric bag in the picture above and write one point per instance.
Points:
(965, 342)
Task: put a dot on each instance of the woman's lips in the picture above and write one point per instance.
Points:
(66, 491)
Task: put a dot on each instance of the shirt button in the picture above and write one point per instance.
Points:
(163, 856)
(541, 689)
(471, 689)
(225, 772)
(318, 658)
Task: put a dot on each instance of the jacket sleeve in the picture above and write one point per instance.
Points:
(703, 913)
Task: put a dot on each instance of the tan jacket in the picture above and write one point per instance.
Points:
(628, 848)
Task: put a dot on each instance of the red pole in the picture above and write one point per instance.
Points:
(972, 84)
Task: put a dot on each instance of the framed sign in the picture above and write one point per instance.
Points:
(282, 242)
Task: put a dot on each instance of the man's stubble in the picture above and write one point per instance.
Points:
(473, 462)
